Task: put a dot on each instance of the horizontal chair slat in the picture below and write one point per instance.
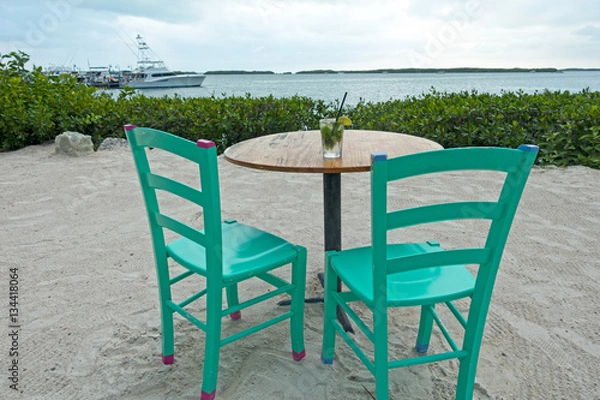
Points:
(359, 322)
(163, 183)
(180, 277)
(427, 359)
(180, 228)
(482, 158)
(148, 137)
(443, 328)
(457, 314)
(440, 258)
(187, 315)
(350, 342)
(256, 328)
(444, 212)
(258, 299)
(193, 298)
(273, 280)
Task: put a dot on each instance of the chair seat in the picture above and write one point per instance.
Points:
(246, 252)
(416, 287)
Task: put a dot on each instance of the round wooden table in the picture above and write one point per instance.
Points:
(302, 152)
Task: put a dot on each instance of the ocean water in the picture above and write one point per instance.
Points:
(383, 87)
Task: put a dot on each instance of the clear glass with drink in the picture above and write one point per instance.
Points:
(332, 135)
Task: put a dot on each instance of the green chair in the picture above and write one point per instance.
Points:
(225, 253)
(386, 275)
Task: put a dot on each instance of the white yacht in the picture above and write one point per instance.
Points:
(152, 73)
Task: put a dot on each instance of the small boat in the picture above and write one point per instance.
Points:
(152, 73)
(100, 77)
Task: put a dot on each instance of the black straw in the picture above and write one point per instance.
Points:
(341, 105)
(335, 123)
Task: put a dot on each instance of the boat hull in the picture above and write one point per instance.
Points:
(167, 82)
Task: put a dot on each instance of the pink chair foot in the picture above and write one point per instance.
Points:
(299, 356)
(236, 315)
(208, 396)
(168, 360)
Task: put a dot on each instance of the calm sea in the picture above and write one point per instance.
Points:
(383, 87)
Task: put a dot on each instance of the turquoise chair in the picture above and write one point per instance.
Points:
(386, 275)
(225, 253)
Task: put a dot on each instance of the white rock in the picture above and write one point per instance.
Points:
(113, 143)
(73, 144)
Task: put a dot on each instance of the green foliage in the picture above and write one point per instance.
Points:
(13, 64)
(226, 120)
(35, 108)
(565, 125)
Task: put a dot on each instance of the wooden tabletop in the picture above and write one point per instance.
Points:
(302, 151)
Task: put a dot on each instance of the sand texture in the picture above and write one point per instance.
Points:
(76, 230)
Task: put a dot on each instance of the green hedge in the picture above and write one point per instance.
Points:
(565, 125)
(34, 109)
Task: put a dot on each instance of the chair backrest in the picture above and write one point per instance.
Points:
(515, 163)
(204, 154)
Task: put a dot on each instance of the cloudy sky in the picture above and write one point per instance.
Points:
(294, 35)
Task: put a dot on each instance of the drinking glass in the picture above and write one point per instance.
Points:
(332, 134)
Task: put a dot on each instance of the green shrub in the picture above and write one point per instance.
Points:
(565, 125)
(35, 108)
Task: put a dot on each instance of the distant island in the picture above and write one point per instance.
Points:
(429, 70)
(581, 69)
(236, 72)
(403, 71)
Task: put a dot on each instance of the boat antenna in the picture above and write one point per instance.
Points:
(129, 46)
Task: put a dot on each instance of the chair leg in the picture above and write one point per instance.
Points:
(297, 305)
(233, 300)
(166, 313)
(425, 327)
(168, 333)
(212, 345)
(380, 331)
(466, 378)
(329, 313)
(468, 365)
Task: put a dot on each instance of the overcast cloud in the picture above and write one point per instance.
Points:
(287, 35)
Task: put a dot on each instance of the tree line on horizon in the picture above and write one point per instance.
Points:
(402, 71)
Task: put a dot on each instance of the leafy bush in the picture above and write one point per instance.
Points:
(35, 108)
(565, 125)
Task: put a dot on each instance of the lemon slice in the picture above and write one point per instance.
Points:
(344, 121)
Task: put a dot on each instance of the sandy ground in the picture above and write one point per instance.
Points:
(89, 324)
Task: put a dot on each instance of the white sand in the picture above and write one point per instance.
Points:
(77, 232)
